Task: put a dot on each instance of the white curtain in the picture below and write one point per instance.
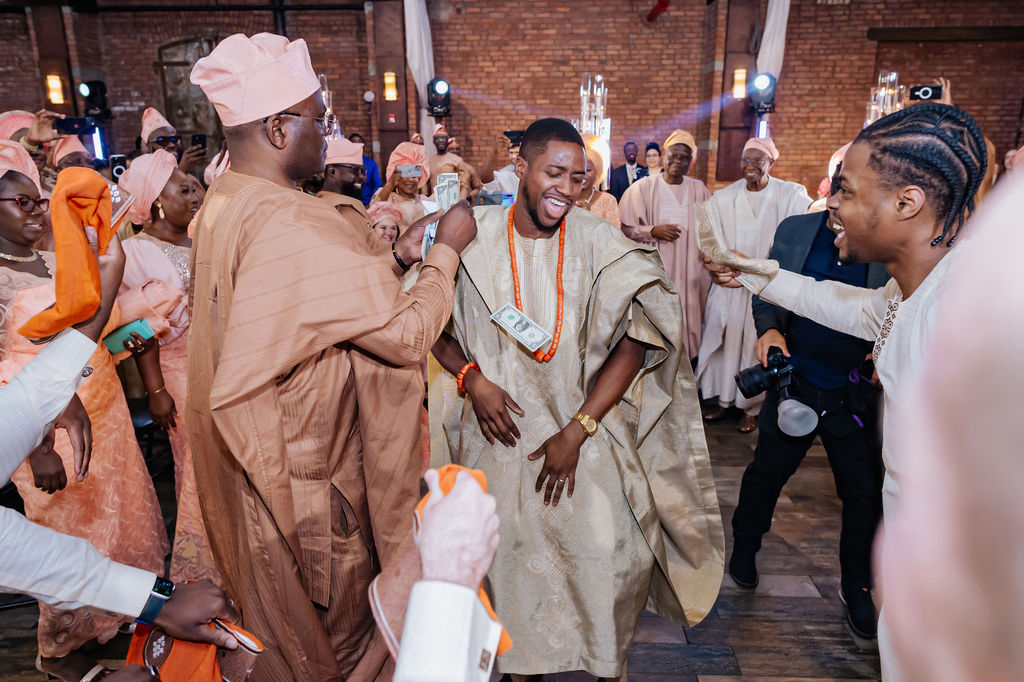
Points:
(419, 51)
(773, 41)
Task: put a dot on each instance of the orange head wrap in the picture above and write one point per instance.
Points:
(682, 137)
(412, 154)
(144, 180)
(81, 199)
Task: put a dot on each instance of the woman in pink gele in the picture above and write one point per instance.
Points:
(155, 288)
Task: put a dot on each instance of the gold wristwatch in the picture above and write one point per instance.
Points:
(588, 423)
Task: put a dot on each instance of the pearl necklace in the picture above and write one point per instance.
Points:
(21, 259)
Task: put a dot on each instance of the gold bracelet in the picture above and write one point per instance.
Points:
(29, 147)
(162, 388)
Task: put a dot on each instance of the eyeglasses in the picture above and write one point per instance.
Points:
(352, 167)
(756, 162)
(28, 204)
(325, 123)
(167, 140)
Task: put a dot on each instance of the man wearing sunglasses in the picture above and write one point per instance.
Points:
(158, 133)
(300, 340)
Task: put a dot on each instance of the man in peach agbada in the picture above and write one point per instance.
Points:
(343, 178)
(300, 341)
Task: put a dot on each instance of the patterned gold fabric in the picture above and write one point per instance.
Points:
(643, 527)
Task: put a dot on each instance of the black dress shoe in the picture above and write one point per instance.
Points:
(860, 611)
(743, 568)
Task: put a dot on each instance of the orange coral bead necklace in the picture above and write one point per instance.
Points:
(540, 355)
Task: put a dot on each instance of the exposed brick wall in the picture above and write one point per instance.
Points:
(993, 96)
(830, 67)
(512, 62)
(20, 84)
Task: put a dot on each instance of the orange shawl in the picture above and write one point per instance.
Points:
(81, 198)
(446, 478)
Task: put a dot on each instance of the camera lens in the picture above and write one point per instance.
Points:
(753, 380)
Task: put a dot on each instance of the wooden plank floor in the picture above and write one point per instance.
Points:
(790, 629)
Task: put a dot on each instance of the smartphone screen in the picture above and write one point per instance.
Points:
(409, 170)
(74, 125)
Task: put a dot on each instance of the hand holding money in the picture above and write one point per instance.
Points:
(457, 227)
(446, 195)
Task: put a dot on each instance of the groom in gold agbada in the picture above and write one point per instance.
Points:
(593, 446)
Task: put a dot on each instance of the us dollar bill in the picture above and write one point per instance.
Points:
(446, 195)
(520, 327)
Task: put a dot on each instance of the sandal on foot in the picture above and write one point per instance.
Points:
(747, 423)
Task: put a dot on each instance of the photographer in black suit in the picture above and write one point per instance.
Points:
(824, 362)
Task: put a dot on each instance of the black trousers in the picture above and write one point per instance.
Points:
(856, 461)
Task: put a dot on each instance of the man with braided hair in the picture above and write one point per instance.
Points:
(906, 185)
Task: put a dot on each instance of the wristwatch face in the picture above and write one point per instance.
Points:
(590, 424)
(163, 588)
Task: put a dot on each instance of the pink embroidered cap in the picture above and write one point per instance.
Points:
(251, 78)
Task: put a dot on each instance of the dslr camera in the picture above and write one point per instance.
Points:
(758, 379)
(795, 418)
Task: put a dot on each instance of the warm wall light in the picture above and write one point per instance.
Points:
(739, 83)
(390, 87)
(55, 89)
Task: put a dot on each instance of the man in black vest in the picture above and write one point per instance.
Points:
(829, 376)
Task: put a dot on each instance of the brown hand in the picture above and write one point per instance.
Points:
(491, 404)
(561, 452)
(668, 233)
(193, 157)
(47, 467)
(187, 614)
(772, 337)
(722, 275)
(42, 129)
(162, 410)
(76, 422)
(409, 245)
(138, 345)
(457, 227)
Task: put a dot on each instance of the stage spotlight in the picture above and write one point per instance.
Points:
(439, 98)
(762, 93)
(94, 94)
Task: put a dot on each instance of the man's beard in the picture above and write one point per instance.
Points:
(352, 189)
(531, 210)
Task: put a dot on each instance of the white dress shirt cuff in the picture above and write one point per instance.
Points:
(65, 571)
(448, 636)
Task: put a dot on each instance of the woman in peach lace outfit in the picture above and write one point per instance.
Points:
(115, 507)
(155, 287)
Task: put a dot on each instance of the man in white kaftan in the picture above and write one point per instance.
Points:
(751, 210)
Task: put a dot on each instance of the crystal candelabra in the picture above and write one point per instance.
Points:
(888, 96)
(592, 121)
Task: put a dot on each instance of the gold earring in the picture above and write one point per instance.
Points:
(160, 211)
